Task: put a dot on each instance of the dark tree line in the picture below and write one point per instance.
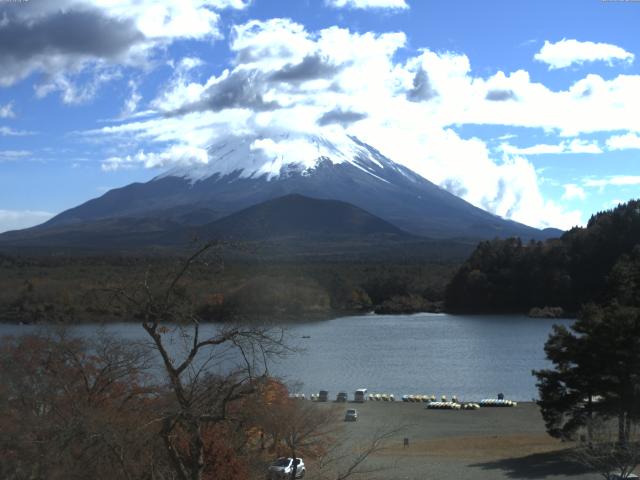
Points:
(582, 266)
(67, 289)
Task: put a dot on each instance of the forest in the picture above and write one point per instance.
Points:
(594, 264)
(76, 289)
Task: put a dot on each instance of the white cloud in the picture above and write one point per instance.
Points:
(75, 93)
(565, 53)
(10, 132)
(189, 63)
(591, 104)
(365, 4)
(40, 36)
(613, 180)
(286, 79)
(573, 146)
(573, 192)
(624, 142)
(180, 90)
(176, 154)
(169, 19)
(6, 111)
(18, 219)
(540, 149)
(236, 4)
(582, 146)
(9, 155)
(131, 103)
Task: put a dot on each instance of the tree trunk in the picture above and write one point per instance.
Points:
(294, 468)
(622, 437)
(590, 423)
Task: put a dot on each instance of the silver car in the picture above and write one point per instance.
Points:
(282, 468)
(351, 415)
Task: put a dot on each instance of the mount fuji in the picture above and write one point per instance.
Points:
(243, 171)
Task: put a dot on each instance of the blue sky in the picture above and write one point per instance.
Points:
(527, 109)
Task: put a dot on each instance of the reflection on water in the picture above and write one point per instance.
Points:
(468, 356)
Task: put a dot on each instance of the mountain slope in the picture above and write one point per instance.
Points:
(291, 217)
(242, 172)
(296, 216)
(292, 227)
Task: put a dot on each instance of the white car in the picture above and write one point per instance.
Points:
(282, 468)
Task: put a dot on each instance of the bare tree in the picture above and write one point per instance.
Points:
(307, 427)
(344, 460)
(299, 428)
(211, 370)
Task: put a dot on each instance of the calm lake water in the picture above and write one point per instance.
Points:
(469, 356)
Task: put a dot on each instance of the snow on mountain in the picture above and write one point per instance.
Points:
(270, 157)
(242, 171)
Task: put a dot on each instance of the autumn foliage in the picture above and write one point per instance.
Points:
(74, 408)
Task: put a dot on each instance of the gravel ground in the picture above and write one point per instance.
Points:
(490, 443)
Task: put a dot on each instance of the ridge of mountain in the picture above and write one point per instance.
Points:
(240, 174)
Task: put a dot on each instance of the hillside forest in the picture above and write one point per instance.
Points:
(79, 289)
(596, 264)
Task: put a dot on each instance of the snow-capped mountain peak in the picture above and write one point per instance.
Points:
(241, 171)
(254, 156)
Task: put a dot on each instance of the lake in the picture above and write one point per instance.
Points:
(471, 356)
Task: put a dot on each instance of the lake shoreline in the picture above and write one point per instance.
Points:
(427, 353)
(289, 319)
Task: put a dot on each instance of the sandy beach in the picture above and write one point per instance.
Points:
(490, 443)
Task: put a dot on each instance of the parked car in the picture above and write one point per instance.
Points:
(351, 415)
(342, 397)
(282, 468)
(323, 396)
(361, 395)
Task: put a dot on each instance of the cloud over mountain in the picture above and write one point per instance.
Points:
(284, 79)
(284, 82)
(341, 117)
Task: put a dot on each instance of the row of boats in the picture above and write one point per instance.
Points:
(382, 397)
(452, 406)
(497, 402)
(430, 400)
(426, 398)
